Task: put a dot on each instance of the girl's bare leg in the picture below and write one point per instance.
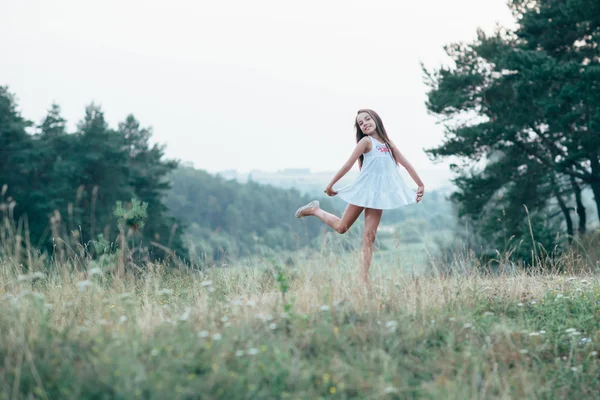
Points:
(372, 220)
(340, 225)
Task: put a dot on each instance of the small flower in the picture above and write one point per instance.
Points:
(324, 307)
(154, 352)
(574, 369)
(468, 325)
(225, 319)
(523, 351)
(185, 316)
(206, 283)
(264, 317)
(203, 334)
(251, 303)
(84, 284)
(534, 334)
(273, 326)
(585, 340)
(452, 319)
(594, 353)
(533, 302)
(542, 332)
(520, 305)
(570, 330)
(239, 353)
(216, 336)
(95, 271)
(390, 390)
(253, 351)
(122, 319)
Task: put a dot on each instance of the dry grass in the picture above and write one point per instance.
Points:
(263, 330)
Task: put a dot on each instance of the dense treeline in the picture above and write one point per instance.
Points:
(66, 184)
(525, 104)
(228, 218)
(62, 184)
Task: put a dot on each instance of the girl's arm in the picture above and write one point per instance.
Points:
(413, 174)
(362, 147)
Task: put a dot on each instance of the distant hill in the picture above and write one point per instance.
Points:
(313, 183)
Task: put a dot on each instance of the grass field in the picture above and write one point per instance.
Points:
(266, 331)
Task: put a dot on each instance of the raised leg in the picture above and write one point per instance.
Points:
(340, 225)
(372, 220)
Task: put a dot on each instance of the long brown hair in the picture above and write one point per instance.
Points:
(380, 131)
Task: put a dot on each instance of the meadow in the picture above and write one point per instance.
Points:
(267, 329)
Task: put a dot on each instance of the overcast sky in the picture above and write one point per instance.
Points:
(239, 84)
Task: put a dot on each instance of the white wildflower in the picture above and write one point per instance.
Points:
(84, 284)
(217, 336)
(251, 303)
(594, 353)
(391, 324)
(186, 315)
(272, 326)
(390, 390)
(534, 334)
(559, 296)
(520, 304)
(203, 334)
(574, 369)
(122, 319)
(324, 307)
(253, 351)
(570, 330)
(523, 351)
(225, 318)
(95, 271)
(542, 332)
(154, 352)
(264, 317)
(584, 281)
(533, 302)
(452, 319)
(239, 353)
(468, 325)
(211, 289)
(585, 340)
(206, 283)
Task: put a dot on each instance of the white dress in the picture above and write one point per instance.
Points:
(379, 184)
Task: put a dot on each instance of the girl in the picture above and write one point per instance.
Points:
(378, 187)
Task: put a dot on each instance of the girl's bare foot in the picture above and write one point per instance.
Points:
(307, 209)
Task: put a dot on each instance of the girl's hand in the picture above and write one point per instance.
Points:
(420, 192)
(330, 192)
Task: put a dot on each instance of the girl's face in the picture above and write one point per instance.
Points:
(366, 123)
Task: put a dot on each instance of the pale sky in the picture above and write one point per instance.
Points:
(239, 84)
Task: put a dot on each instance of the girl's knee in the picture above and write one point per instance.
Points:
(341, 229)
(370, 236)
